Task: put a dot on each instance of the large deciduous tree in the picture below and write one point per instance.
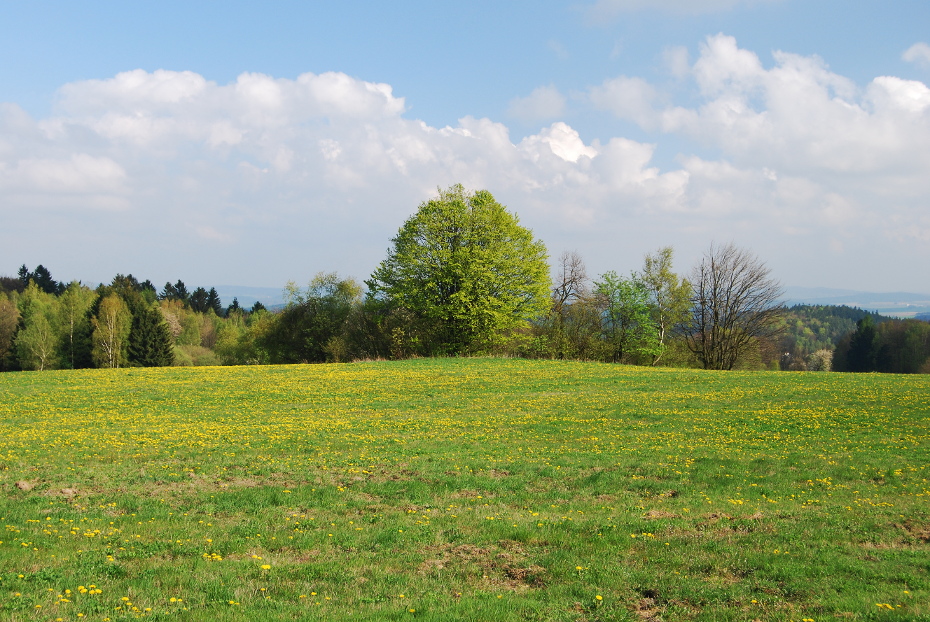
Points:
(466, 270)
(735, 303)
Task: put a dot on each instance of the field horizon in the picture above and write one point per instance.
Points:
(448, 489)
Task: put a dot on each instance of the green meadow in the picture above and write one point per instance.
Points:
(463, 489)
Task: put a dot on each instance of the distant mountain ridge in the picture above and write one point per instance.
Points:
(899, 304)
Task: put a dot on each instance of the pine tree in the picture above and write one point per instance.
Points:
(214, 302)
(150, 343)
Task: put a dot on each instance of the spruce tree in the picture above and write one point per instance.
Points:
(150, 343)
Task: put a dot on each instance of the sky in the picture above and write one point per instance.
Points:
(230, 143)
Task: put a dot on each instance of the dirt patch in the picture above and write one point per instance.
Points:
(503, 565)
(906, 535)
(650, 606)
(646, 609)
(919, 531)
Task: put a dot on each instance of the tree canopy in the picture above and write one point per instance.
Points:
(466, 270)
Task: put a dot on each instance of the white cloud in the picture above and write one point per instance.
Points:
(796, 116)
(79, 174)
(561, 140)
(800, 148)
(919, 54)
(545, 102)
(196, 162)
(289, 177)
(628, 98)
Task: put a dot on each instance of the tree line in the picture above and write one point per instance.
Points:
(461, 277)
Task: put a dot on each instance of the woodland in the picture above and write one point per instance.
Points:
(462, 278)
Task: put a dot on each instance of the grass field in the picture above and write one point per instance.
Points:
(464, 489)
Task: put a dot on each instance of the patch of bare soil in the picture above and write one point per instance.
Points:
(650, 606)
(503, 565)
(918, 531)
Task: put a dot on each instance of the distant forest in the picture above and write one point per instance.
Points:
(46, 324)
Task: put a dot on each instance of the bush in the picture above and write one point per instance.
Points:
(195, 356)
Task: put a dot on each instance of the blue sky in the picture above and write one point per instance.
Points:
(223, 143)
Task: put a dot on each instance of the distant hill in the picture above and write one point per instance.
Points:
(271, 297)
(898, 304)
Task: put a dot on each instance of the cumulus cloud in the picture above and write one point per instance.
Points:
(795, 116)
(293, 176)
(799, 146)
(290, 165)
(919, 54)
(545, 102)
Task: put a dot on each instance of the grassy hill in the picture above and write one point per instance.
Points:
(459, 489)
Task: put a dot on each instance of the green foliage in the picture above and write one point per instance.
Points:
(894, 346)
(42, 278)
(194, 356)
(239, 339)
(203, 301)
(311, 327)
(903, 347)
(467, 272)
(627, 323)
(669, 298)
(111, 326)
(174, 291)
(9, 322)
(863, 349)
(74, 322)
(36, 342)
(149, 343)
(807, 329)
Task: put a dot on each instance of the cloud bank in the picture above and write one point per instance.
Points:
(269, 178)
